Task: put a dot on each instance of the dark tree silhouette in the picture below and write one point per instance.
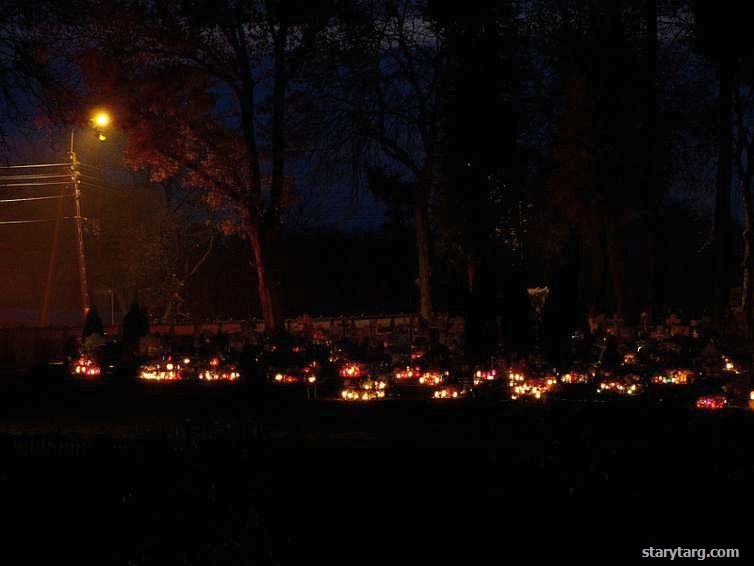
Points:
(205, 95)
(723, 36)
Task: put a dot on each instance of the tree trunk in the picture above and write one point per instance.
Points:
(273, 214)
(273, 217)
(615, 266)
(600, 270)
(721, 230)
(748, 260)
(168, 309)
(595, 296)
(269, 315)
(655, 283)
(421, 218)
(271, 248)
(471, 271)
(255, 223)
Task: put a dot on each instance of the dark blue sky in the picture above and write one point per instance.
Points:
(335, 206)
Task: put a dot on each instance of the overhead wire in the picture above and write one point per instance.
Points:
(22, 221)
(25, 199)
(90, 166)
(101, 188)
(9, 179)
(40, 184)
(85, 176)
(31, 177)
(30, 166)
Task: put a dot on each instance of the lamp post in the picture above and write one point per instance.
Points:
(99, 120)
(79, 231)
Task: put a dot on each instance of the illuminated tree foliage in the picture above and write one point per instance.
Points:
(203, 90)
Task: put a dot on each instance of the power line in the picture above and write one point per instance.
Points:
(21, 221)
(41, 184)
(29, 166)
(101, 188)
(31, 177)
(90, 177)
(34, 198)
(90, 166)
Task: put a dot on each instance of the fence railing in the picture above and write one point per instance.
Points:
(27, 347)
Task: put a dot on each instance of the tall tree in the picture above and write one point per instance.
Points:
(380, 89)
(599, 152)
(650, 189)
(480, 209)
(722, 35)
(478, 130)
(745, 172)
(744, 151)
(203, 90)
(32, 78)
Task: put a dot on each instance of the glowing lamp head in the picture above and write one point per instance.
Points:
(101, 119)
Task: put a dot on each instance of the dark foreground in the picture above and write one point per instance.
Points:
(225, 476)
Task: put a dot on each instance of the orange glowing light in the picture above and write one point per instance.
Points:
(351, 371)
(431, 378)
(213, 375)
(711, 402)
(574, 377)
(361, 395)
(449, 392)
(101, 119)
(287, 378)
(626, 386)
(85, 367)
(673, 377)
(406, 373)
(482, 376)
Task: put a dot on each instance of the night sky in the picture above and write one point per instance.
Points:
(495, 121)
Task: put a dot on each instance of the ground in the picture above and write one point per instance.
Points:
(155, 475)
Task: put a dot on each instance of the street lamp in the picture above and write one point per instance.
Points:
(99, 119)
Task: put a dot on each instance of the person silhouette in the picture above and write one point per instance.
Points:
(93, 323)
(611, 357)
(94, 330)
(133, 331)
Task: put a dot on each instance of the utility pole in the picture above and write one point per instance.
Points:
(79, 230)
